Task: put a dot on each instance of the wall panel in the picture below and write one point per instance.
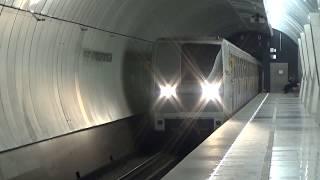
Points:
(50, 87)
(142, 18)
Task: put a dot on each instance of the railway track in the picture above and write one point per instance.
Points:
(153, 168)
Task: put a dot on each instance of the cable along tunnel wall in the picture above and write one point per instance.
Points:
(57, 77)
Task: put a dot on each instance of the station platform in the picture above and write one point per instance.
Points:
(272, 137)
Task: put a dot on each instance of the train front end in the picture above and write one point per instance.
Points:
(188, 83)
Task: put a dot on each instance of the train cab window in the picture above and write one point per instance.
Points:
(197, 61)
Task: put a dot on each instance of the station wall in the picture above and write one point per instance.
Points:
(69, 65)
(309, 50)
(57, 77)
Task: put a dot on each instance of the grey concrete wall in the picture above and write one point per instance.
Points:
(62, 157)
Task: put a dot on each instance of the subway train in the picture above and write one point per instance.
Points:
(201, 78)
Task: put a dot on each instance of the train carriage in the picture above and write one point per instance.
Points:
(201, 79)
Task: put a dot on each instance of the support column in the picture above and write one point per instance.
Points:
(307, 88)
(314, 86)
(303, 78)
(315, 31)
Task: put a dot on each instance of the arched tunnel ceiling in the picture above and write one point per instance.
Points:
(51, 57)
(289, 16)
(58, 77)
(152, 19)
(249, 8)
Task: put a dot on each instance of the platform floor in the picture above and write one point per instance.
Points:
(279, 141)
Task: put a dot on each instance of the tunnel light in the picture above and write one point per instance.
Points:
(276, 10)
(33, 2)
(167, 91)
(211, 91)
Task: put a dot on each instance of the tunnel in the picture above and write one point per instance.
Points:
(162, 89)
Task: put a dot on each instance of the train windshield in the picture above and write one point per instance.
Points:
(197, 61)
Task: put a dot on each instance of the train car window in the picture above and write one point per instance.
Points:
(238, 69)
(234, 67)
(239, 73)
(197, 61)
(252, 70)
(246, 68)
(241, 68)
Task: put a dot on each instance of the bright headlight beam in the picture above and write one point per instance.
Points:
(211, 91)
(167, 91)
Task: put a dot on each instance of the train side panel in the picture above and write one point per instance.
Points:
(238, 71)
(240, 77)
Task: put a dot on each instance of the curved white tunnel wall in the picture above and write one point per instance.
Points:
(48, 87)
(144, 19)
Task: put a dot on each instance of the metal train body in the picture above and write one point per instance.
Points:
(201, 79)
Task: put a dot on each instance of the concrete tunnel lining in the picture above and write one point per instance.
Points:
(48, 88)
(51, 89)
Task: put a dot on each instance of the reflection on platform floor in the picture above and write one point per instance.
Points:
(281, 142)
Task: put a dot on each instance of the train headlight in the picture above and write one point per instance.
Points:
(211, 91)
(167, 91)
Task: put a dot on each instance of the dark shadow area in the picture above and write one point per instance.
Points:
(156, 152)
(137, 79)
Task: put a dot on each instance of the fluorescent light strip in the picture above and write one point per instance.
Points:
(214, 174)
